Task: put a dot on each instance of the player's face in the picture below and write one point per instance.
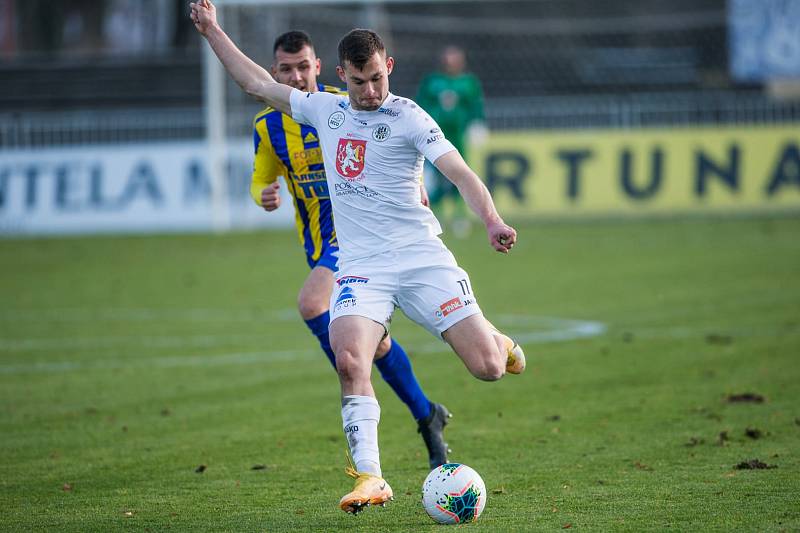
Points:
(453, 61)
(298, 70)
(369, 86)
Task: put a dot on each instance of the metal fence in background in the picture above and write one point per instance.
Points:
(53, 129)
(548, 64)
(82, 127)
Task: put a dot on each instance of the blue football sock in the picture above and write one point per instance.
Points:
(319, 327)
(395, 368)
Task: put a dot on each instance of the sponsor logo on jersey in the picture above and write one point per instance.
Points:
(450, 305)
(347, 298)
(390, 112)
(435, 130)
(313, 184)
(310, 138)
(336, 120)
(350, 158)
(347, 188)
(312, 156)
(381, 132)
(347, 280)
(435, 138)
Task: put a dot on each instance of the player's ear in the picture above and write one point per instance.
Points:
(389, 65)
(273, 70)
(341, 73)
(319, 65)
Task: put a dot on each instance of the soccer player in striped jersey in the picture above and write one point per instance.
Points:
(285, 148)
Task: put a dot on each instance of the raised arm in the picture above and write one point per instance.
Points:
(253, 79)
(501, 236)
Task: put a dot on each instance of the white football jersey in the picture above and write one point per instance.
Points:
(373, 162)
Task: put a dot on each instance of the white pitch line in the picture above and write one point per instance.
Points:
(173, 361)
(519, 326)
(561, 329)
(145, 341)
(144, 314)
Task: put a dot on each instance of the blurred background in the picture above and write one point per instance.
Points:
(113, 116)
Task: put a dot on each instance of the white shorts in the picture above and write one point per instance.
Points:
(422, 279)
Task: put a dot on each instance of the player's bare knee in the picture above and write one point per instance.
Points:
(489, 371)
(349, 367)
(309, 306)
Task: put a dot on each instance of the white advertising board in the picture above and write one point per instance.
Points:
(136, 188)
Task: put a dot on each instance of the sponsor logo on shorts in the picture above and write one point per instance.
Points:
(451, 305)
(336, 120)
(347, 280)
(347, 298)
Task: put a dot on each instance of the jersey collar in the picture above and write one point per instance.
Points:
(357, 112)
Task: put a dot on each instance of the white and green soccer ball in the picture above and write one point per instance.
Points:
(453, 494)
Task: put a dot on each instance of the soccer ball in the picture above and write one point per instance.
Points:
(453, 494)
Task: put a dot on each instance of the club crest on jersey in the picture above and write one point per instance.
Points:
(350, 158)
(381, 132)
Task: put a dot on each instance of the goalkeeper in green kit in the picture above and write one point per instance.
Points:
(454, 99)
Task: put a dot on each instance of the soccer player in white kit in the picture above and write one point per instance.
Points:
(373, 145)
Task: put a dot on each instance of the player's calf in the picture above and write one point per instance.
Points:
(477, 347)
(515, 356)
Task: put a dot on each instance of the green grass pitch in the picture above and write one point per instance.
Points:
(126, 363)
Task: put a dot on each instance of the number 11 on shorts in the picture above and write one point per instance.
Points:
(464, 284)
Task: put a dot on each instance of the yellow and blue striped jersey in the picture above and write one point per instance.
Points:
(286, 148)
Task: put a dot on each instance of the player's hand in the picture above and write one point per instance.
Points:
(271, 197)
(203, 15)
(502, 237)
(423, 193)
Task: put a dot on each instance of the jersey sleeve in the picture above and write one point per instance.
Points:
(266, 165)
(427, 136)
(308, 108)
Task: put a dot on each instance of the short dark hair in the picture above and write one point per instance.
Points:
(292, 42)
(358, 47)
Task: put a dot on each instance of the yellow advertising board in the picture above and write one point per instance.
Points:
(643, 171)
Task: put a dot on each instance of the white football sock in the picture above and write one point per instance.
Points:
(360, 415)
